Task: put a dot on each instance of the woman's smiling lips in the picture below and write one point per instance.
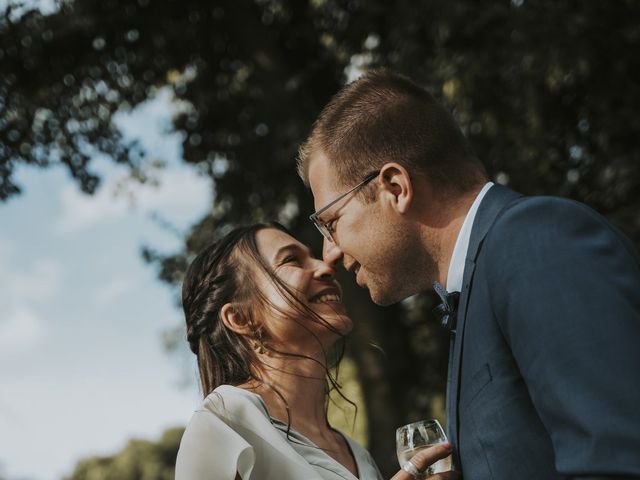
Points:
(327, 295)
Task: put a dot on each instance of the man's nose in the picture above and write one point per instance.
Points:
(331, 252)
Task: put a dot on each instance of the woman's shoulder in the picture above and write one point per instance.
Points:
(233, 404)
(228, 416)
(232, 431)
(215, 443)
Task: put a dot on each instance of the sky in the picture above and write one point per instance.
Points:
(82, 365)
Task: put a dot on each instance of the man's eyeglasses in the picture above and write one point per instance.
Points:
(325, 227)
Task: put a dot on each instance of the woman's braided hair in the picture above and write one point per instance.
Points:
(218, 275)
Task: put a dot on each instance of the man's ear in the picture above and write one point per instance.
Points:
(234, 320)
(395, 180)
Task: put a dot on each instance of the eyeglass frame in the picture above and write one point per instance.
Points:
(322, 227)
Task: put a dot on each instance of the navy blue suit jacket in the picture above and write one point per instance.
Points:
(544, 371)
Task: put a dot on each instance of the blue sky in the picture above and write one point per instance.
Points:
(82, 367)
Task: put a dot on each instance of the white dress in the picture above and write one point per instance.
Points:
(232, 432)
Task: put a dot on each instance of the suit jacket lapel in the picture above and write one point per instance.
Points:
(492, 204)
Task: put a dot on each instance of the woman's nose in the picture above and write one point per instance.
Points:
(324, 271)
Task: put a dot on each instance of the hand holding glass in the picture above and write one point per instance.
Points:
(414, 437)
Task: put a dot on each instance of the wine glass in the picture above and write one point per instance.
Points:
(414, 437)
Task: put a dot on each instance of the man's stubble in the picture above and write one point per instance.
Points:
(406, 267)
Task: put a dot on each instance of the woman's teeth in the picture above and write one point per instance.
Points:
(329, 297)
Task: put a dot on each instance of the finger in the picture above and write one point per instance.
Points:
(428, 456)
(451, 475)
(402, 475)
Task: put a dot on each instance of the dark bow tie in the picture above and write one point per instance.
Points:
(448, 308)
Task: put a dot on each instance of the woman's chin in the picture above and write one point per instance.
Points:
(342, 323)
(340, 326)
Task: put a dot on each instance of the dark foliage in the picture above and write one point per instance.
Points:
(548, 93)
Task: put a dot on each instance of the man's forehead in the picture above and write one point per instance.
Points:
(321, 179)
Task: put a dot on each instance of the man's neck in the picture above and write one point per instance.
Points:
(442, 233)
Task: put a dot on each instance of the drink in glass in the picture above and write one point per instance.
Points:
(412, 438)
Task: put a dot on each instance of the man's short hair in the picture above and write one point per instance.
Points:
(385, 117)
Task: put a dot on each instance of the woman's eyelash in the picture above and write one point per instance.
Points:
(289, 259)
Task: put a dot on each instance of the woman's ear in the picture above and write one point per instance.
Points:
(234, 320)
(396, 182)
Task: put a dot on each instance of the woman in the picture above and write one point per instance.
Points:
(262, 314)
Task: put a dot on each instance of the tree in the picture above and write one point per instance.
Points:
(138, 460)
(547, 92)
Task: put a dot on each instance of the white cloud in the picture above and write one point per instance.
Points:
(46, 7)
(179, 190)
(5, 249)
(20, 330)
(23, 289)
(39, 282)
(175, 188)
(151, 123)
(114, 290)
(80, 211)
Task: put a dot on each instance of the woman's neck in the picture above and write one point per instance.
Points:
(295, 392)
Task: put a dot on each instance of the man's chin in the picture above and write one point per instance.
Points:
(383, 297)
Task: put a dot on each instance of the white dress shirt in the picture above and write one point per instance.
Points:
(459, 255)
(232, 433)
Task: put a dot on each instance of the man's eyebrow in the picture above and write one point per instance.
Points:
(333, 211)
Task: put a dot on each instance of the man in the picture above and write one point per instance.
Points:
(544, 370)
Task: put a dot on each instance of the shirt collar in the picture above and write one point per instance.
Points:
(456, 266)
